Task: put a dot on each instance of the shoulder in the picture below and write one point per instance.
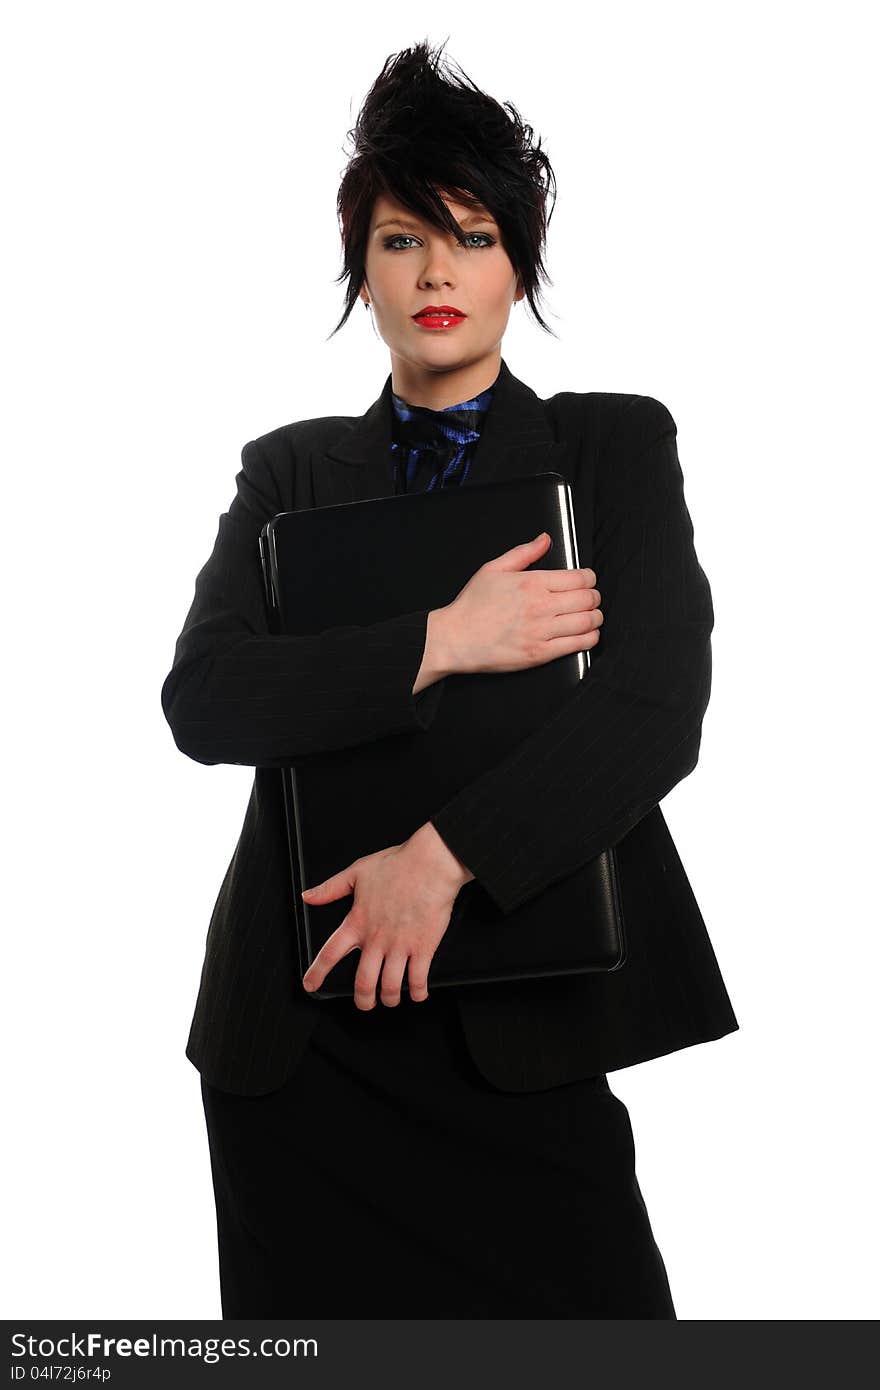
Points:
(271, 459)
(612, 419)
(287, 441)
(632, 442)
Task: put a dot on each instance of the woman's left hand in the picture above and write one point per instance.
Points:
(403, 900)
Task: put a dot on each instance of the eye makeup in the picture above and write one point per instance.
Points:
(388, 242)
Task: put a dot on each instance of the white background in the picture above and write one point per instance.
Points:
(171, 248)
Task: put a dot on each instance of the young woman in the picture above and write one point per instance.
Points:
(454, 1152)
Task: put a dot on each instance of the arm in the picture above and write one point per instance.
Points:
(436, 662)
(437, 857)
(632, 729)
(237, 693)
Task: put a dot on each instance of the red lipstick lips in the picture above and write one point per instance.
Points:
(438, 316)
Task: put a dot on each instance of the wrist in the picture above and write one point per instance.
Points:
(438, 644)
(428, 841)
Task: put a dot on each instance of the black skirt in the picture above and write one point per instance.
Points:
(387, 1179)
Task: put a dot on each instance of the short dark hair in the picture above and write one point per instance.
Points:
(420, 130)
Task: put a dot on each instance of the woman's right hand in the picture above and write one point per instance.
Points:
(507, 620)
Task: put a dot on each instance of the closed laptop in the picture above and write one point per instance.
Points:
(364, 562)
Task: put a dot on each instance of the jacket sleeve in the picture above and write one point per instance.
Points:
(632, 729)
(238, 693)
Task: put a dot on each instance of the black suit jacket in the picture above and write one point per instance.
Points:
(591, 777)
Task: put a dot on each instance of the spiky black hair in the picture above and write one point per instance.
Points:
(421, 130)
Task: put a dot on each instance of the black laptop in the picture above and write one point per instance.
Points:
(368, 561)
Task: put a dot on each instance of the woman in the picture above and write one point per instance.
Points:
(456, 1152)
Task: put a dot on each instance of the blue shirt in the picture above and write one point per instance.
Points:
(434, 448)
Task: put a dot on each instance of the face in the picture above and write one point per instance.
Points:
(411, 264)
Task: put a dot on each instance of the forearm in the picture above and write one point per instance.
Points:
(437, 659)
(632, 729)
(238, 693)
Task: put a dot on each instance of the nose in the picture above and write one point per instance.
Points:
(436, 271)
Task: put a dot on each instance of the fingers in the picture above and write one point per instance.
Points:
(366, 977)
(337, 886)
(417, 977)
(353, 934)
(341, 943)
(556, 580)
(519, 556)
(572, 600)
(573, 624)
(392, 978)
(572, 613)
(367, 974)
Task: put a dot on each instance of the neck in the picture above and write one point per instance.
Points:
(436, 388)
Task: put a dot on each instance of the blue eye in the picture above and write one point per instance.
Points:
(404, 236)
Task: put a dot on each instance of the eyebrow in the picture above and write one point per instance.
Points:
(464, 221)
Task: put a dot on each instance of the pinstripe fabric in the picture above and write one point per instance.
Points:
(591, 777)
(633, 728)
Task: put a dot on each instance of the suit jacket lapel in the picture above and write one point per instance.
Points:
(517, 440)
